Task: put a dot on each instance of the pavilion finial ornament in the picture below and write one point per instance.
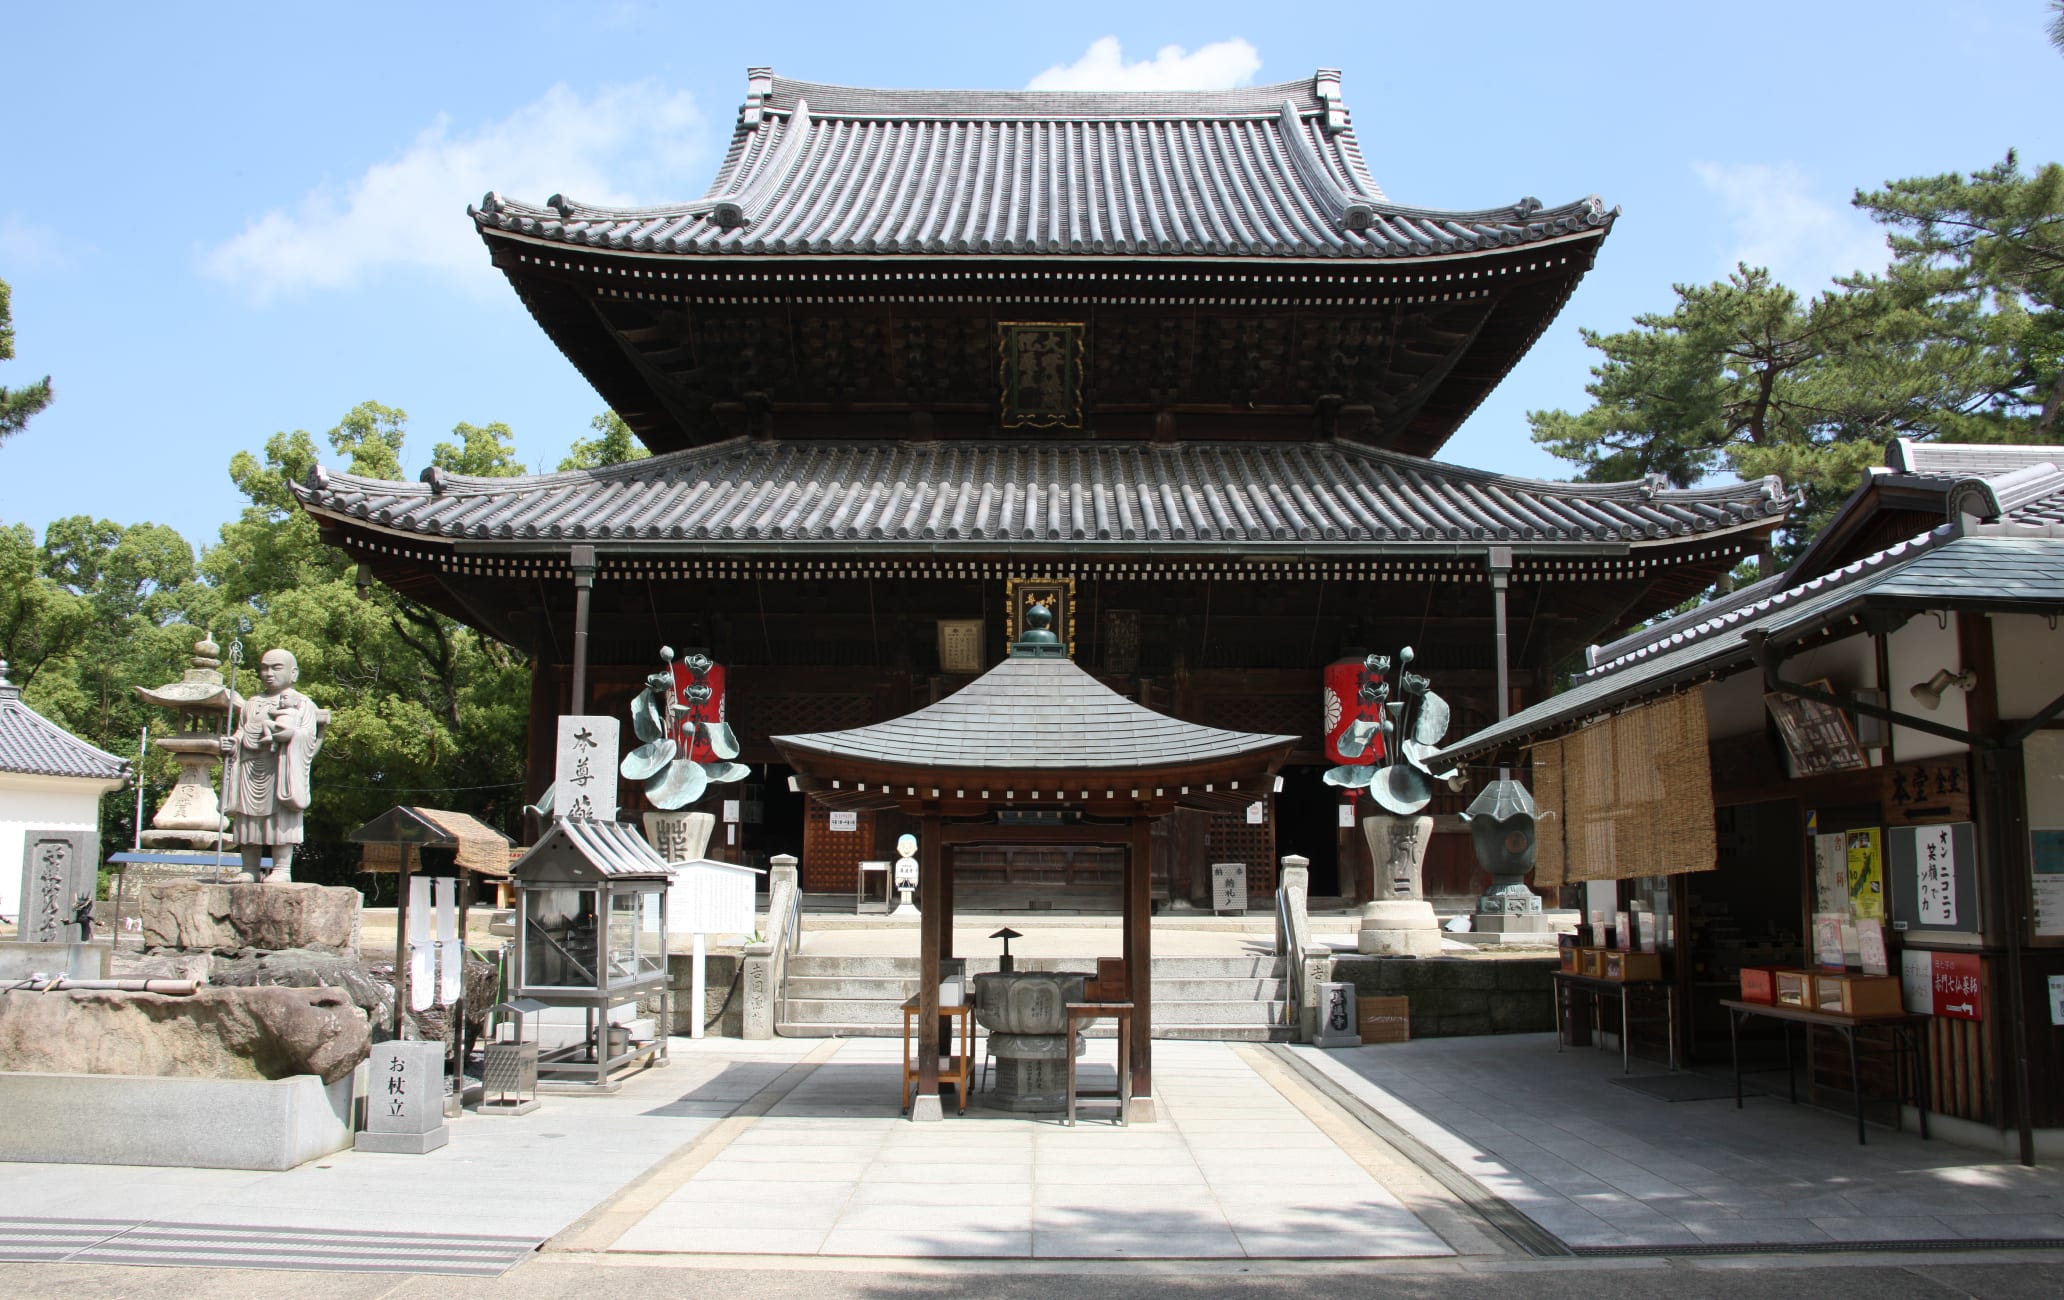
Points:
(1386, 743)
(688, 746)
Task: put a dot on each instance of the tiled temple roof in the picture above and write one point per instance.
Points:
(1031, 715)
(33, 745)
(1262, 172)
(986, 493)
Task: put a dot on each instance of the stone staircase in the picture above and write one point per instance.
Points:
(1221, 998)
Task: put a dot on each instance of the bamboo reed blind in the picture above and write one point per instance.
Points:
(1628, 796)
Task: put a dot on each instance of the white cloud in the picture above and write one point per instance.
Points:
(1779, 222)
(623, 145)
(1103, 67)
(24, 246)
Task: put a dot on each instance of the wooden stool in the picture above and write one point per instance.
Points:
(957, 1070)
(1084, 1013)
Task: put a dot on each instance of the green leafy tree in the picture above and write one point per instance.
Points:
(1984, 253)
(482, 450)
(613, 444)
(16, 404)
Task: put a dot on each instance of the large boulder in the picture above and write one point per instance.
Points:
(303, 969)
(217, 1033)
(230, 918)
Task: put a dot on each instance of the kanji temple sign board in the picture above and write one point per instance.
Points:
(1174, 354)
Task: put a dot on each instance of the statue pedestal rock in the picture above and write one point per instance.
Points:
(1398, 922)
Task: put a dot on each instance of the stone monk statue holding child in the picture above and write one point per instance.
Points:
(265, 786)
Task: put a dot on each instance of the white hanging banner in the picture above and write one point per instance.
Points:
(422, 974)
(451, 954)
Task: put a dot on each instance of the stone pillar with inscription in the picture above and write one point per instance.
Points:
(60, 873)
(1336, 1027)
(404, 1099)
(1398, 921)
(764, 960)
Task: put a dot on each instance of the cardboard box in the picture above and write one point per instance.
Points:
(1759, 984)
(1857, 995)
(1794, 988)
(1384, 1020)
(1632, 967)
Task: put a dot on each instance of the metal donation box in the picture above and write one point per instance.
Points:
(591, 934)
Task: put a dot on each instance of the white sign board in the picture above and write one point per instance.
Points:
(584, 774)
(731, 810)
(2057, 999)
(706, 897)
(1257, 813)
(1935, 876)
(906, 871)
(845, 821)
(1229, 887)
(1917, 981)
(1347, 815)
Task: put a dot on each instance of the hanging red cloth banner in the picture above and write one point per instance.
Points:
(1355, 691)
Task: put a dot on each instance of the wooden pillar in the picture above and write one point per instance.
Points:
(583, 587)
(1139, 962)
(945, 898)
(930, 882)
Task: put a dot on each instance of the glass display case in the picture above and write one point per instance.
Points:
(591, 935)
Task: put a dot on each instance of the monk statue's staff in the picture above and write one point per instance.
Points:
(229, 725)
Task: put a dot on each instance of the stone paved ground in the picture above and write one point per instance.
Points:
(1605, 1166)
(1230, 1169)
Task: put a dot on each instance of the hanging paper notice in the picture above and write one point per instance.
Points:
(1257, 813)
(1830, 873)
(1347, 815)
(1827, 941)
(584, 773)
(2048, 852)
(1870, 944)
(1935, 875)
(845, 821)
(1866, 874)
(2057, 999)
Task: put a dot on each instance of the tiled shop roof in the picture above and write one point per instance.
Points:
(979, 492)
(1997, 566)
(1036, 715)
(1266, 171)
(33, 745)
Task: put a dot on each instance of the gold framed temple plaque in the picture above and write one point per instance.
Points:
(1057, 594)
(1039, 366)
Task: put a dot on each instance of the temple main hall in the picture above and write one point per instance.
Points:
(1171, 364)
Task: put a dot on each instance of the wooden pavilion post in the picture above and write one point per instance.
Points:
(930, 878)
(1139, 961)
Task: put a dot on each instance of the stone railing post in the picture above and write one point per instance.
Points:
(766, 962)
(1314, 962)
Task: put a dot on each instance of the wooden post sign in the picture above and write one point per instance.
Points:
(1229, 888)
(584, 772)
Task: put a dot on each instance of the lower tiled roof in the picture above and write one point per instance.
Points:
(33, 745)
(984, 492)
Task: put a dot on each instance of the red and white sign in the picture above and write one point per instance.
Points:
(1344, 708)
(1950, 984)
(695, 708)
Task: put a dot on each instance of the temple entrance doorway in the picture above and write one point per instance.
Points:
(1308, 823)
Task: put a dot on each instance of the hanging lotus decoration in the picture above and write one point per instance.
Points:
(1384, 743)
(687, 746)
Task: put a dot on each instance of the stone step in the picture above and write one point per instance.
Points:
(888, 1012)
(878, 987)
(805, 964)
(1240, 1033)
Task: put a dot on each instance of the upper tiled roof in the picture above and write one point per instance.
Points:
(1266, 171)
(987, 493)
(1994, 566)
(1957, 460)
(32, 745)
(1035, 715)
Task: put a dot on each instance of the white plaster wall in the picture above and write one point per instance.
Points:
(1734, 705)
(39, 803)
(2028, 659)
(1850, 664)
(1912, 654)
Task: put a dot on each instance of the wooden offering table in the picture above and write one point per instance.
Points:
(958, 1069)
(1906, 1029)
(1081, 1014)
(1569, 987)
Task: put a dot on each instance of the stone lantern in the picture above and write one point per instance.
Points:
(191, 816)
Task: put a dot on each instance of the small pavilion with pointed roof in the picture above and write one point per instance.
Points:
(1036, 749)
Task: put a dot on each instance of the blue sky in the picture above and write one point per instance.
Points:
(225, 221)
